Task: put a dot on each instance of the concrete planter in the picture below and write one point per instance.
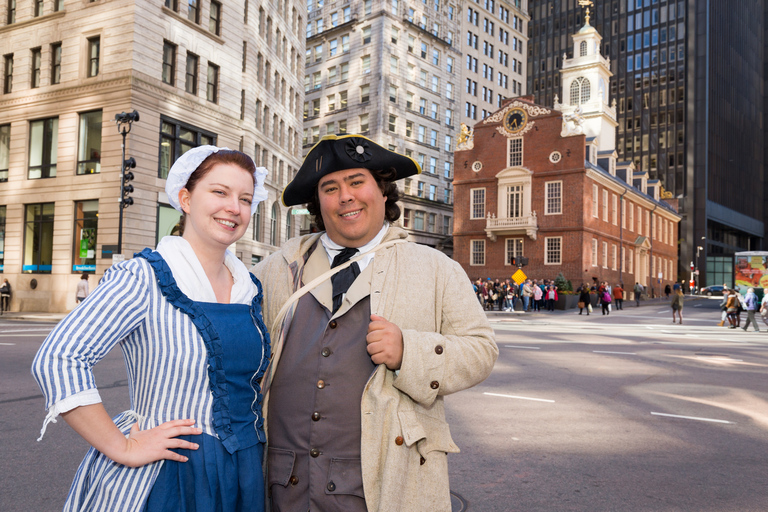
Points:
(566, 302)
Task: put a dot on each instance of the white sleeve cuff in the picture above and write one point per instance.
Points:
(87, 397)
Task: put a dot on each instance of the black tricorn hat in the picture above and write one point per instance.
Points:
(338, 153)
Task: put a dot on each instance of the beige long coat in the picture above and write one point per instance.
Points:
(448, 346)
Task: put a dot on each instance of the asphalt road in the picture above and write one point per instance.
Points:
(619, 413)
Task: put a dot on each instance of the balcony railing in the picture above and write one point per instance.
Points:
(527, 225)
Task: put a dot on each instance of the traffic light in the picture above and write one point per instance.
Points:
(512, 261)
(692, 267)
(127, 189)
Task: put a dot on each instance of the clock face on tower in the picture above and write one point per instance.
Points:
(515, 120)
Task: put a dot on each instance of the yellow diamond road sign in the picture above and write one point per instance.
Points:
(519, 276)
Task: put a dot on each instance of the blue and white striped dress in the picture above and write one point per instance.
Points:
(169, 371)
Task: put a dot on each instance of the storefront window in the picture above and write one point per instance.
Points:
(167, 222)
(84, 250)
(38, 239)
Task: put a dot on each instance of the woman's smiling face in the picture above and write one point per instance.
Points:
(218, 209)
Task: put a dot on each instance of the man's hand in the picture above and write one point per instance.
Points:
(385, 342)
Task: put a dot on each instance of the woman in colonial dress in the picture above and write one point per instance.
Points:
(187, 317)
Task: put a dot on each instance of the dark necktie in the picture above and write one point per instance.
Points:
(343, 279)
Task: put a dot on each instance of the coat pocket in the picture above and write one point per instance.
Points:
(428, 433)
(280, 466)
(345, 476)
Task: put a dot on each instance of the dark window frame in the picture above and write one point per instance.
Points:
(191, 78)
(36, 67)
(175, 141)
(56, 63)
(39, 264)
(93, 61)
(168, 75)
(82, 163)
(212, 88)
(46, 166)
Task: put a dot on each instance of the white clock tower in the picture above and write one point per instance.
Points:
(585, 77)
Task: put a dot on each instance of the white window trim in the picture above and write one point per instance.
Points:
(546, 198)
(594, 252)
(605, 255)
(472, 203)
(615, 210)
(506, 249)
(605, 205)
(546, 243)
(509, 151)
(614, 256)
(509, 178)
(471, 253)
(595, 199)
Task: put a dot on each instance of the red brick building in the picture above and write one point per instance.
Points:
(545, 184)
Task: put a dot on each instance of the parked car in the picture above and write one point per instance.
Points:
(712, 290)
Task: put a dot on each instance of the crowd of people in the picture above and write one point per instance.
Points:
(541, 295)
(734, 304)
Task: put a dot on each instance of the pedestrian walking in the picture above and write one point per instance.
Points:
(667, 291)
(606, 302)
(677, 303)
(638, 292)
(527, 294)
(724, 308)
(82, 289)
(750, 304)
(584, 299)
(731, 307)
(5, 296)
(764, 306)
(618, 296)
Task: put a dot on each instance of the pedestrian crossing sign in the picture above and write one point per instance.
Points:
(519, 277)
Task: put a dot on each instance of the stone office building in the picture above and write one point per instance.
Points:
(202, 72)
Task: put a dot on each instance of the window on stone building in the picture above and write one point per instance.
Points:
(580, 91)
(43, 148)
(169, 63)
(55, 63)
(477, 257)
(94, 45)
(177, 138)
(273, 223)
(214, 21)
(38, 239)
(36, 65)
(605, 205)
(477, 203)
(553, 250)
(7, 73)
(89, 143)
(5, 151)
(212, 88)
(84, 249)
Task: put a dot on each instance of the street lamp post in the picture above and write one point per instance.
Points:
(124, 121)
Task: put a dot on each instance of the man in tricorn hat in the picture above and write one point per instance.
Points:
(361, 360)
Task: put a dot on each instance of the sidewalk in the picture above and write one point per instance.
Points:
(32, 316)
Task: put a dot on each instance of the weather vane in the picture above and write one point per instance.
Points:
(587, 4)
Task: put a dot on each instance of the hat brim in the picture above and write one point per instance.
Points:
(335, 153)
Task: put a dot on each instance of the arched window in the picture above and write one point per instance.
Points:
(287, 225)
(257, 219)
(583, 49)
(273, 225)
(580, 91)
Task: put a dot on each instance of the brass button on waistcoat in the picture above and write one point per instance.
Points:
(294, 480)
(315, 416)
(325, 352)
(331, 486)
(320, 384)
(399, 440)
(333, 324)
(434, 384)
(314, 453)
(439, 349)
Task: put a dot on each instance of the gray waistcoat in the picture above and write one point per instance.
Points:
(314, 410)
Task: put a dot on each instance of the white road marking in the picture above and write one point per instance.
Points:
(520, 397)
(21, 335)
(516, 346)
(719, 358)
(608, 352)
(690, 418)
(7, 343)
(28, 330)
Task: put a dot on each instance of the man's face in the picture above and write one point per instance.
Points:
(352, 206)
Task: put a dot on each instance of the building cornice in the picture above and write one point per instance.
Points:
(32, 21)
